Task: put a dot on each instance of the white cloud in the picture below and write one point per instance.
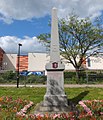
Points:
(10, 44)
(28, 9)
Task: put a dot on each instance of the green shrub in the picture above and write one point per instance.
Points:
(36, 79)
(9, 75)
(42, 79)
(2, 80)
(69, 74)
(70, 80)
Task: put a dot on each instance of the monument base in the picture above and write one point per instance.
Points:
(42, 108)
(54, 103)
(55, 100)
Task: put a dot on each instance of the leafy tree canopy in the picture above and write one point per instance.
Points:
(79, 39)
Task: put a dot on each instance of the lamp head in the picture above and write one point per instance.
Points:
(20, 44)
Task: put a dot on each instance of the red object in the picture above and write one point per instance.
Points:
(55, 65)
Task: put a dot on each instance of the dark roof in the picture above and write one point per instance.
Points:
(2, 50)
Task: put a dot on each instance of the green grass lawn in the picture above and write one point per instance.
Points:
(36, 94)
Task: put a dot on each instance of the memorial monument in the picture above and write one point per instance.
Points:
(55, 99)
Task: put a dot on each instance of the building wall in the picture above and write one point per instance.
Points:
(9, 61)
(95, 63)
(23, 65)
(37, 61)
(68, 66)
(1, 57)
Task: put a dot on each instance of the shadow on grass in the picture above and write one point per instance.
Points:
(78, 98)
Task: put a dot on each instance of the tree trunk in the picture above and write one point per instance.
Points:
(77, 75)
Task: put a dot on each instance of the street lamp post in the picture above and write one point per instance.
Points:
(18, 65)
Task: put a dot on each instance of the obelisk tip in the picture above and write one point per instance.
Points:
(54, 8)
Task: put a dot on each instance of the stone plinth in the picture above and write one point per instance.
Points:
(55, 89)
(55, 99)
(41, 108)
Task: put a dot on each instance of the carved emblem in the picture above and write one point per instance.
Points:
(55, 65)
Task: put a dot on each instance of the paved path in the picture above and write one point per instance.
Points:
(66, 85)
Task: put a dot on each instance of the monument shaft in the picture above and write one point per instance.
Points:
(54, 48)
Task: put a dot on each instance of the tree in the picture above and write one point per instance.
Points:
(79, 39)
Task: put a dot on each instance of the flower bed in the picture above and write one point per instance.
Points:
(9, 108)
(18, 109)
(93, 107)
(62, 116)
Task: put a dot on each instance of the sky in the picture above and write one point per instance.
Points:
(21, 21)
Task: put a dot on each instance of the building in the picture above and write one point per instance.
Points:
(1, 57)
(23, 63)
(9, 62)
(36, 62)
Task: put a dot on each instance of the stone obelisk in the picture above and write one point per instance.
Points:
(55, 98)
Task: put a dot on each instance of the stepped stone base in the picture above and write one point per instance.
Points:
(41, 108)
(52, 104)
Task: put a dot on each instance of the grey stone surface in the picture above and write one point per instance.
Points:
(55, 94)
(54, 48)
(52, 109)
(55, 99)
